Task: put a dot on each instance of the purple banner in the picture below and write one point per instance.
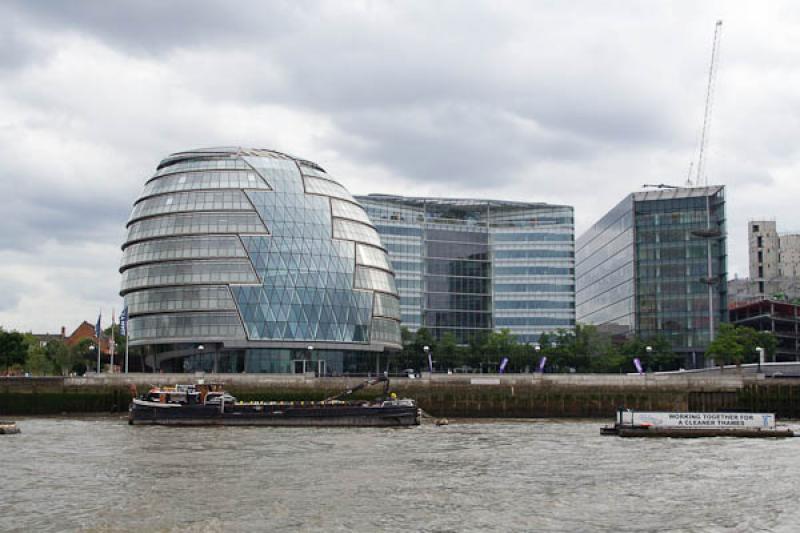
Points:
(503, 364)
(542, 362)
(638, 365)
(430, 363)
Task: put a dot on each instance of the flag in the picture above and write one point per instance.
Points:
(123, 322)
(503, 364)
(542, 362)
(638, 365)
(97, 329)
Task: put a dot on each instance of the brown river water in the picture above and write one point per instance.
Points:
(99, 474)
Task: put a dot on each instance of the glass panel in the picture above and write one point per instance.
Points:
(343, 209)
(327, 188)
(188, 181)
(385, 331)
(386, 305)
(372, 278)
(186, 326)
(188, 272)
(183, 248)
(179, 299)
(355, 231)
(169, 225)
(225, 200)
(371, 256)
(233, 163)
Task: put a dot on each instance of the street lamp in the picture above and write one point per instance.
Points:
(310, 351)
(649, 351)
(760, 351)
(91, 349)
(427, 350)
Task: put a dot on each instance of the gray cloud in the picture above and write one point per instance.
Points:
(575, 103)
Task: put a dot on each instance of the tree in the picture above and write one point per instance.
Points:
(737, 344)
(13, 349)
(37, 362)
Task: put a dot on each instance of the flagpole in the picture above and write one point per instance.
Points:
(123, 319)
(112, 343)
(97, 334)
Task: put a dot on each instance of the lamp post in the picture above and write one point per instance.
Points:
(649, 351)
(91, 349)
(310, 352)
(760, 351)
(538, 348)
(427, 350)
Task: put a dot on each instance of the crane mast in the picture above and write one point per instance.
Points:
(712, 71)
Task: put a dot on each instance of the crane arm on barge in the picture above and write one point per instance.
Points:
(367, 383)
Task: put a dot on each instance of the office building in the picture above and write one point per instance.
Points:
(468, 267)
(655, 265)
(250, 260)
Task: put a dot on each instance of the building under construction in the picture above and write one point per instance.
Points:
(782, 319)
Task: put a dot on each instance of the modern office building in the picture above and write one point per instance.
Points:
(655, 265)
(251, 260)
(468, 267)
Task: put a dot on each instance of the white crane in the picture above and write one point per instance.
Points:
(700, 179)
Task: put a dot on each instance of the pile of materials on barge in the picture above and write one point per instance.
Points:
(8, 428)
(631, 423)
(208, 404)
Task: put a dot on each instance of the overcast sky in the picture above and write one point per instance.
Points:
(575, 103)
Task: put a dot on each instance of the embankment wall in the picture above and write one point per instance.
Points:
(471, 395)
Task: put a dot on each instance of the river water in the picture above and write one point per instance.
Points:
(99, 474)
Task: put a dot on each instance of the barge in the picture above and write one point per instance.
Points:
(209, 405)
(631, 423)
(8, 428)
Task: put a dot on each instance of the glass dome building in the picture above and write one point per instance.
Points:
(250, 260)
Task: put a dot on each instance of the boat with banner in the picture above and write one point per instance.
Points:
(630, 423)
(207, 404)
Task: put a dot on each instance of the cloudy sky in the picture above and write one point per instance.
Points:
(564, 102)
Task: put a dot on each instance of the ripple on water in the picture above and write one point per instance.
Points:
(101, 474)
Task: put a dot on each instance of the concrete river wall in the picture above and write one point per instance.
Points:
(460, 395)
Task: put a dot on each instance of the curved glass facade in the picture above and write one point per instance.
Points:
(252, 260)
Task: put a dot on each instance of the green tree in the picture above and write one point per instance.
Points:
(37, 362)
(84, 356)
(448, 354)
(13, 350)
(737, 344)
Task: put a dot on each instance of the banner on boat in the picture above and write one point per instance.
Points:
(697, 420)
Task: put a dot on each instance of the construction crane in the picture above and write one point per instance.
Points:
(712, 74)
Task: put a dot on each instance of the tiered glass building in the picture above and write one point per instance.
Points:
(655, 265)
(249, 260)
(468, 267)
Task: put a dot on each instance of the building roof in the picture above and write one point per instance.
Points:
(676, 192)
(421, 201)
(232, 150)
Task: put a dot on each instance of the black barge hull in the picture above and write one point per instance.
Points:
(275, 415)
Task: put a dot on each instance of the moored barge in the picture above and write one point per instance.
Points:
(631, 423)
(209, 405)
